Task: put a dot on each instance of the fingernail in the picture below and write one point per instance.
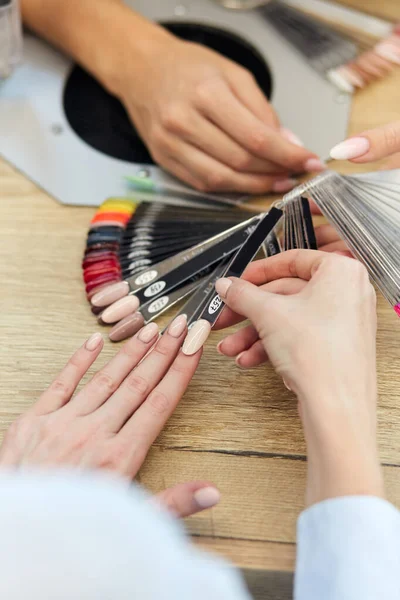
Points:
(351, 148)
(94, 342)
(207, 497)
(148, 333)
(286, 385)
(120, 309)
(339, 81)
(178, 326)
(388, 51)
(314, 164)
(222, 286)
(196, 337)
(219, 345)
(110, 294)
(238, 359)
(291, 137)
(126, 327)
(284, 185)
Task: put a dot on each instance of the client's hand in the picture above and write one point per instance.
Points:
(313, 315)
(372, 145)
(113, 420)
(204, 118)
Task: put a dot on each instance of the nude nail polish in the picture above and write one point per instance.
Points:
(196, 337)
(126, 327)
(120, 309)
(284, 185)
(148, 333)
(314, 164)
(351, 148)
(93, 342)
(177, 326)
(207, 497)
(110, 294)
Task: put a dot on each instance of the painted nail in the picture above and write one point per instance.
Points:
(148, 333)
(94, 342)
(111, 294)
(126, 327)
(291, 137)
(314, 164)
(351, 148)
(389, 52)
(352, 76)
(222, 286)
(196, 337)
(207, 497)
(284, 185)
(178, 326)
(120, 309)
(339, 81)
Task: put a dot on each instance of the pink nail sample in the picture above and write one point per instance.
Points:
(110, 294)
(120, 309)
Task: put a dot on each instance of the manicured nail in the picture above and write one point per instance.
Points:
(94, 342)
(178, 326)
(126, 327)
(314, 164)
(219, 346)
(148, 333)
(351, 148)
(352, 76)
(207, 497)
(286, 385)
(120, 309)
(222, 286)
(389, 52)
(284, 185)
(110, 294)
(339, 81)
(238, 359)
(291, 137)
(196, 337)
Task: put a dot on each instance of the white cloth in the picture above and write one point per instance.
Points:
(67, 536)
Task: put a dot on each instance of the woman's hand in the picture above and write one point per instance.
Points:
(114, 419)
(372, 145)
(313, 315)
(204, 119)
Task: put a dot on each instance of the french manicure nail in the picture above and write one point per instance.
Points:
(314, 164)
(291, 137)
(94, 342)
(148, 333)
(207, 497)
(222, 286)
(284, 185)
(110, 294)
(351, 148)
(196, 337)
(178, 326)
(120, 309)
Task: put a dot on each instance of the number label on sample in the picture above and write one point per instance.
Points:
(214, 305)
(146, 277)
(155, 288)
(158, 304)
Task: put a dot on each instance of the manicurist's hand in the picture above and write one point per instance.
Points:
(203, 117)
(111, 423)
(313, 314)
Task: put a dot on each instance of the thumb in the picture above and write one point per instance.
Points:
(370, 145)
(242, 297)
(188, 498)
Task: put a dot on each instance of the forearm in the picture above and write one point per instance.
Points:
(103, 36)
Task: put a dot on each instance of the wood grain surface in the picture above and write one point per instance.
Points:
(238, 429)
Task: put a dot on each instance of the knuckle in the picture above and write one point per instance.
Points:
(179, 365)
(241, 162)
(61, 388)
(205, 93)
(215, 180)
(257, 141)
(159, 403)
(392, 138)
(173, 119)
(104, 381)
(136, 383)
(162, 348)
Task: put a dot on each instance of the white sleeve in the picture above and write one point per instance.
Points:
(348, 549)
(66, 536)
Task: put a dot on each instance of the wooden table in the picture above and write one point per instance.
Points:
(240, 430)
